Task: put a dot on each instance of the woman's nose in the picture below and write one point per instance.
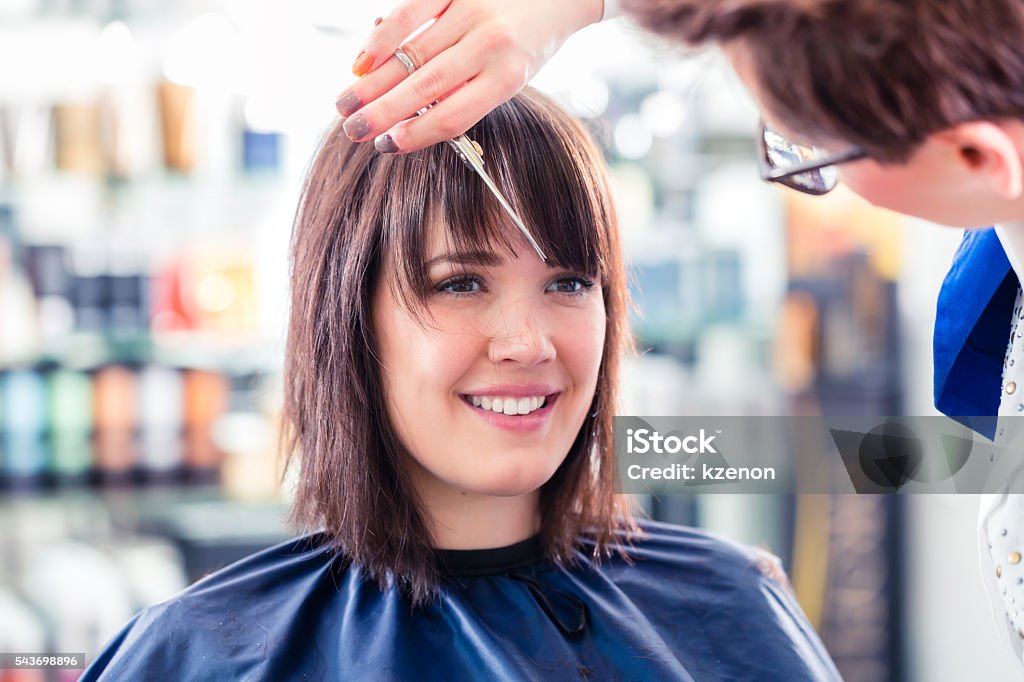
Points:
(520, 334)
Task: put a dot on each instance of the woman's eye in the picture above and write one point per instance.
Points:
(460, 285)
(571, 285)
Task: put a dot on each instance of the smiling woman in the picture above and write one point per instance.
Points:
(411, 293)
(488, 398)
(450, 397)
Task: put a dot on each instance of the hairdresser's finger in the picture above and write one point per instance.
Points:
(445, 32)
(421, 89)
(387, 36)
(509, 70)
(452, 116)
(368, 88)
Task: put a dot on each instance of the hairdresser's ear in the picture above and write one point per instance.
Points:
(989, 149)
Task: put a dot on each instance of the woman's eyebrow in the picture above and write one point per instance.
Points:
(485, 258)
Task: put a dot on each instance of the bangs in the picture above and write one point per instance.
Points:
(545, 165)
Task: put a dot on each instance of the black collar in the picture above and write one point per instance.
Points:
(470, 563)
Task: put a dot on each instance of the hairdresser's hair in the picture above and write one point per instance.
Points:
(881, 74)
(357, 206)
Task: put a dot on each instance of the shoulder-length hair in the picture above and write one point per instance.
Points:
(358, 205)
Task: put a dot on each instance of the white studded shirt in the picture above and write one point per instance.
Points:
(1001, 514)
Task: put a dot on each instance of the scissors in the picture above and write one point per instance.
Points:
(471, 154)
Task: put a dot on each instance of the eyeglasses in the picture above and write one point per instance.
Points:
(805, 169)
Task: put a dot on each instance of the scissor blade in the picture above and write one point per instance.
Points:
(511, 212)
(461, 143)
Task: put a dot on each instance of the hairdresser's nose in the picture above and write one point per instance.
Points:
(521, 335)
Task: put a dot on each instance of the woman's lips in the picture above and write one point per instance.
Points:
(519, 422)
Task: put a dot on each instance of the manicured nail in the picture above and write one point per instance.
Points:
(385, 144)
(357, 127)
(348, 104)
(363, 64)
(377, 21)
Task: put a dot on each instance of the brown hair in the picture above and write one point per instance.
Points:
(358, 205)
(881, 74)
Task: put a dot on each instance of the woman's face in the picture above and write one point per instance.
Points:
(488, 393)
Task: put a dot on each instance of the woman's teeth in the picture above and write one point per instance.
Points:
(509, 406)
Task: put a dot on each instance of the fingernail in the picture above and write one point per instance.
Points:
(385, 144)
(357, 127)
(348, 104)
(377, 21)
(362, 64)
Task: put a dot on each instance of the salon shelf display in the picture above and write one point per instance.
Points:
(119, 423)
(140, 205)
(75, 566)
(115, 374)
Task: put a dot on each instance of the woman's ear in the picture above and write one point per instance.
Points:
(989, 149)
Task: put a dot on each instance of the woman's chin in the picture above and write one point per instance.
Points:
(510, 483)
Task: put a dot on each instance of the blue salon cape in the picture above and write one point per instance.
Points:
(972, 330)
(692, 607)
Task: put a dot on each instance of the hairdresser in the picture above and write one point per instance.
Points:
(916, 105)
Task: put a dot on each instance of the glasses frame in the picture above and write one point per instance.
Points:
(784, 176)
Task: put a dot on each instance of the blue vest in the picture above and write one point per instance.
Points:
(972, 326)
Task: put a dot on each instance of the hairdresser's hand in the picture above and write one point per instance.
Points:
(478, 54)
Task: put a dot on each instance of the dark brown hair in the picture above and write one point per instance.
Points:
(358, 205)
(880, 74)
